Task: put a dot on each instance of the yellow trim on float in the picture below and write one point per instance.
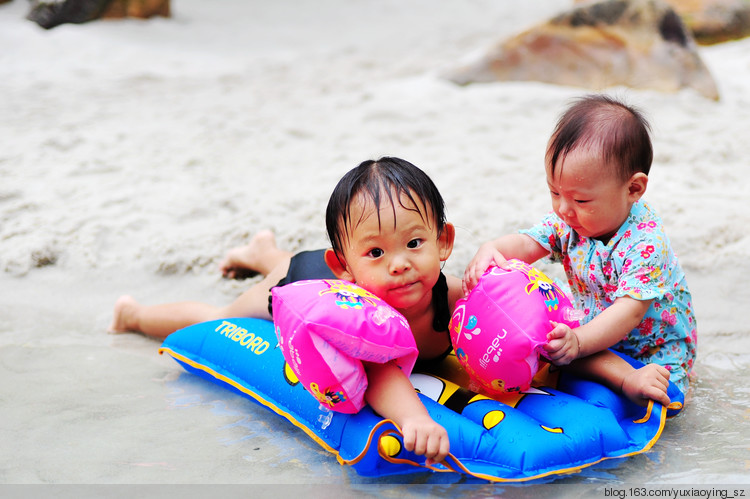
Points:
(646, 416)
(674, 406)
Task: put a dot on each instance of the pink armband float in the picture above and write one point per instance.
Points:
(498, 330)
(328, 328)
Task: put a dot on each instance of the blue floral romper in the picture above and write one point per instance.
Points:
(638, 261)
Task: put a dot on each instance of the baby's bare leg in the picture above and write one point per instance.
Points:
(159, 321)
(260, 255)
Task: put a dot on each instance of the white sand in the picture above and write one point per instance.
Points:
(134, 154)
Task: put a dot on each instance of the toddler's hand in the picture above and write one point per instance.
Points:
(650, 382)
(562, 346)
(486, 256)
(423, 436)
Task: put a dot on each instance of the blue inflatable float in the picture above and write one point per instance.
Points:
(560, 425)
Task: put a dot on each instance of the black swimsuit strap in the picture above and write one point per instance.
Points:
(440, 304)
(439, 322)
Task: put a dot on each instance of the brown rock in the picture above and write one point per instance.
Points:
(712, 21)
(48, 14)
(715, 21)
(136, 8)
(636, 43)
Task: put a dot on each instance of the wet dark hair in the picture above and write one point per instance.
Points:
(620, 131)
(388, 176)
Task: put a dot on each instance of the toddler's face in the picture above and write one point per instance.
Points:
(588, 195)
(398, 256)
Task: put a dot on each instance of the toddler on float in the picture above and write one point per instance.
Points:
(619, 263)
(386, 222)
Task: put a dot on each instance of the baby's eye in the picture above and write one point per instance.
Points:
(581, 201)
(414, 243)
(375, 253)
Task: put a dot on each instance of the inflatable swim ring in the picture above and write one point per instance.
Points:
(560, 425)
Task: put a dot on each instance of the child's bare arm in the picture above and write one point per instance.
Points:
(611, 325)
(391, 394)
(639, 385)
(497, 251)
(603, 331)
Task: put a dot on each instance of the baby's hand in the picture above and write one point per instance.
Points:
(423, 436)
(562, 346)
(486, 256)
(650, 382)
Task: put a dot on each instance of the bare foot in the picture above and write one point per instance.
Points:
(124, 315)
(259, 256)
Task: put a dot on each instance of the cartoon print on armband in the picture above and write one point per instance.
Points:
(538, 281)
(329, 396)
(348, 295)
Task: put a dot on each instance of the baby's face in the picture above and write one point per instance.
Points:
(396, 257)
(588, 195)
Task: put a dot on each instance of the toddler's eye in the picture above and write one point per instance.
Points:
(375, 253)
(414, 243)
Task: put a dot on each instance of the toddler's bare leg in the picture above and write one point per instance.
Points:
(159, 321)
(260, 255)
(254, 301)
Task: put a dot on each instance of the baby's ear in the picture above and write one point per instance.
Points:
(637, 186)
(338, 266)
(445, 241)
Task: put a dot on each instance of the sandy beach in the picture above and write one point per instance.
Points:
(136, 153)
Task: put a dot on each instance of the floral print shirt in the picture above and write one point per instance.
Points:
(638, 261)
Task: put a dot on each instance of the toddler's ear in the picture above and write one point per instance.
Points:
(637, 186)
(445, 241)
(338, 266)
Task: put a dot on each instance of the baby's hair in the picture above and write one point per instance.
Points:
(388, 176)
(620, 131)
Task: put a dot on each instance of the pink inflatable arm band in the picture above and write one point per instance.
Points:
(498, 329)
(328, 328)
